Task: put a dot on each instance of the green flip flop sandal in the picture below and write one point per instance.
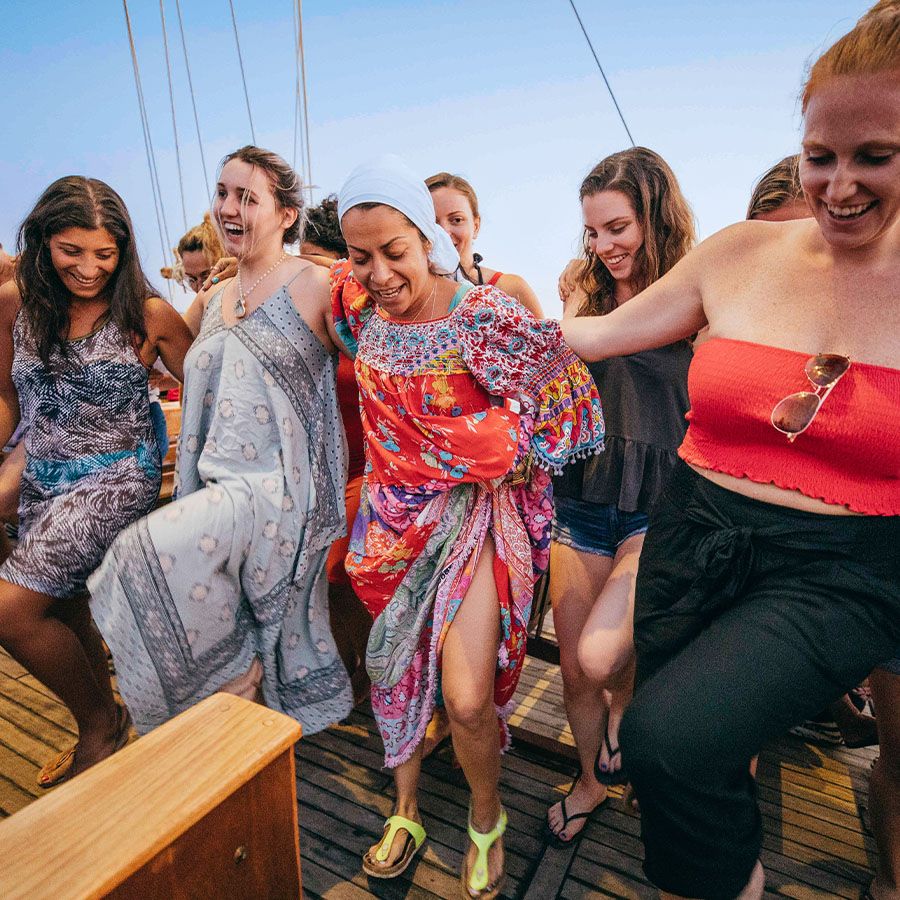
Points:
(415, 837)
(475, 886)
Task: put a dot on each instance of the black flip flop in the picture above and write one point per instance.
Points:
(620, 776)
(575, 817)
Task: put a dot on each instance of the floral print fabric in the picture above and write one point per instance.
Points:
(455, 411)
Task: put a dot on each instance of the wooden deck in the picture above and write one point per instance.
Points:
(815, 845)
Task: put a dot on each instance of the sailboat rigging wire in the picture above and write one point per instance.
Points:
(237, 44)
(296, 83)
(162, 18)
(605, 80)
(161, 224)
(308, 166)
(187, 66)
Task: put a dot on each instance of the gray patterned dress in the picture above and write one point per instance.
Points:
(92, 464)
(234, 568)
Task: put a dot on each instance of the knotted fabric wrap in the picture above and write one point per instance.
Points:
(390, 181)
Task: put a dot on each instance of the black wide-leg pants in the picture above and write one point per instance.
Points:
(749, 618)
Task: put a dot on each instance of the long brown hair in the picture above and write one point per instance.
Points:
(870, 48)
(661, 210)
(77, 202)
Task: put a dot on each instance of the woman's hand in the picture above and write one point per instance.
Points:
(571, 275)
(226, 267)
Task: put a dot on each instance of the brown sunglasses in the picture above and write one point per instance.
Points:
(795, 413)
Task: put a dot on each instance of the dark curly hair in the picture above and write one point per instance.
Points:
(284, 181)
(663, 213)
(77, 202)
(323, 227)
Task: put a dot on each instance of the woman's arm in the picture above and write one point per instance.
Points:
(168, 335)
(9, 398)
(669, 310)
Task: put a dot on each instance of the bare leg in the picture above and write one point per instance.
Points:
(884, 786)
(575, 579)
(350, 625)
(606, 646)
(406, 782)
(76, 615)
(468, 668)
(52, 652)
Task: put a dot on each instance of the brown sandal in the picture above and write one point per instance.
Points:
(58, 769)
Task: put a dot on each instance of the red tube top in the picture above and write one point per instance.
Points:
(849, 455)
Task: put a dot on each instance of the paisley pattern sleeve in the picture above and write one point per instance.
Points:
(351, 306)
(514, 355)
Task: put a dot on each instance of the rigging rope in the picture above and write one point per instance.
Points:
(305, 97)
(237, 43)
(161, 224)
(162, 18)
(296, 85)
(605, 80)
(187, 67)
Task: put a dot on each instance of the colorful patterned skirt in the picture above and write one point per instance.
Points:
(412, 557)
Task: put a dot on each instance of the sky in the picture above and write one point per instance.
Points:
(504, 92)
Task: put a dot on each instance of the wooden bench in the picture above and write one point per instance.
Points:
(204, 806)
(172, 412)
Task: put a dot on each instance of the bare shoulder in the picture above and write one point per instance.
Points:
(516, 286)
(310, 286)
(10, 301)
(203, 297)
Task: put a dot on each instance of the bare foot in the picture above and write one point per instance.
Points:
(610, 762)
(398, 844)
(496, 861)
(586, 795)
(438, 730)
(97, 744)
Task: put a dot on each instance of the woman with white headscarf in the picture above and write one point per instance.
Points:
(467, 403)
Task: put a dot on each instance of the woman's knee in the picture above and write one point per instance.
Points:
(602, 661)
(470, 709)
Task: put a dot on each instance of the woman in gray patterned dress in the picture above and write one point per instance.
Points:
(225, 587)
(79, 328)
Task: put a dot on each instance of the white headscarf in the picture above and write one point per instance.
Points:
(390, 181)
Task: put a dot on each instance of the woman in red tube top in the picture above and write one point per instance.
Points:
(769, 582)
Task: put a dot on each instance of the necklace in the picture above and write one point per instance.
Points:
(240, 306)
(433, 297)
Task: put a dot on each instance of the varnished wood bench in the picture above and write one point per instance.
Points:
(204, 806)
(172, 412)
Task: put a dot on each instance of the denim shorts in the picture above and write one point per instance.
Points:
(598, 528)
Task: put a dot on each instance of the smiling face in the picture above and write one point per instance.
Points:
(85, 259)
(453, 212)
(613, 232)
(850, 165)
(246, 211)
(389, 259)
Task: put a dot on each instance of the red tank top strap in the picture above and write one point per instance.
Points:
(495, 278)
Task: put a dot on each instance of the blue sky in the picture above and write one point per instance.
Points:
(501, 91)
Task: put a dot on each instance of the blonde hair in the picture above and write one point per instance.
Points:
(202, 237)
(778, 186)
(871, 48)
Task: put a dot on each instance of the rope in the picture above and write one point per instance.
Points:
(605, 80)
(187, 66)
(296, 84)
(302, 56)
(161, 223)
(237, 44)
(162, 18)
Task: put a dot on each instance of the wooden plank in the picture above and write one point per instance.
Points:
(9, 667)
(48, 852)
